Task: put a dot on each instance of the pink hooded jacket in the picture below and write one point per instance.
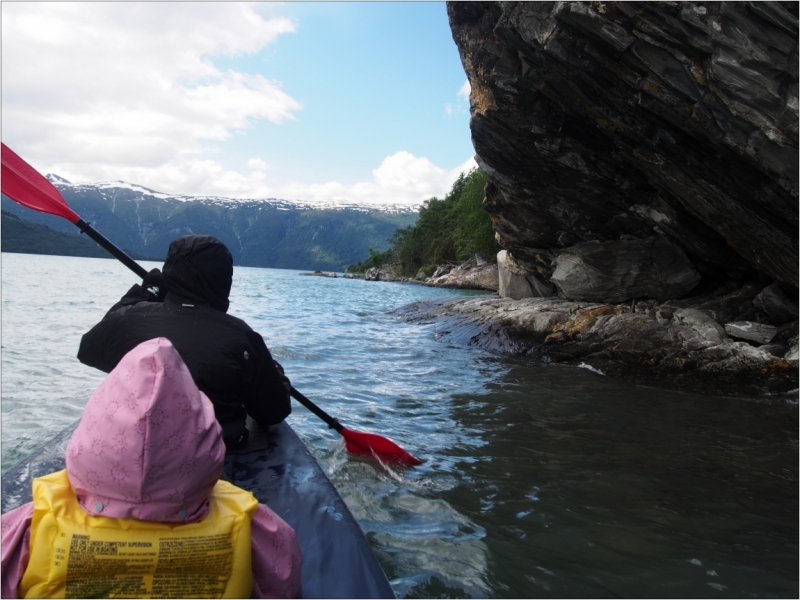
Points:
(148, 447)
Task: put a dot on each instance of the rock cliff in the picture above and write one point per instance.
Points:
(656, 138)
(642, 178)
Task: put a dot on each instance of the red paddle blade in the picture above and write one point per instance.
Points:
(25, 185)
(380, 447)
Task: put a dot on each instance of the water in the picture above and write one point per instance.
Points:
(538, 481)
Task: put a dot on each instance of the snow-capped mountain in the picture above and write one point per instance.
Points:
(259, 233)
(111, 187)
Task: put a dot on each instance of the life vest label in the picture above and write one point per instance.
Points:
(176, 567)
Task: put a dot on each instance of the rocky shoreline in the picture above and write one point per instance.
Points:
(731, 340)
(676, 344)
(477, 273)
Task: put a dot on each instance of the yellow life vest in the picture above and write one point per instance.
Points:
(76, 555)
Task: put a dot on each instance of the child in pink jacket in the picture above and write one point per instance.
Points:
(147, 457)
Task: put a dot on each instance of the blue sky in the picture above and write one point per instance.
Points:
(355, 101)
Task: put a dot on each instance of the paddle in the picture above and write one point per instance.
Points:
(25, 185)
(361, 443)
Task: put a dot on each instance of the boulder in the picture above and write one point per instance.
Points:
(705, 331)
(384, 273)
(514, 282)
(777, 304)
(622, 270)
(441, 270)
(474, 274)
(792, 353)
(750, 331)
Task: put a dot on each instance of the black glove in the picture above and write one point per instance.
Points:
(153, 282)
(286, 383)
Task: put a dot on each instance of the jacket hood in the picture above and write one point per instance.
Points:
(148, 445)
(200, 268)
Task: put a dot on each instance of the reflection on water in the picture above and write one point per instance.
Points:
(593, 488)
(537, 481)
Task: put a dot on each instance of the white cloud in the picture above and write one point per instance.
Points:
(459, 108)
(401, 178)
(256, 164)
(92, 87)
(465, 90)
(130, 91)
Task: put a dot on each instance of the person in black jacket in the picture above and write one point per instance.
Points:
(187, 304)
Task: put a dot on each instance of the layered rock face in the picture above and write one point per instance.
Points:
(642, 163)
(637, 149)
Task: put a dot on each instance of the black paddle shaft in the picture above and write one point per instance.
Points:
(332, 423)
(116, 252)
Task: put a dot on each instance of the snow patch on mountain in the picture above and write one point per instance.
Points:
(107, 186)
(56, 179)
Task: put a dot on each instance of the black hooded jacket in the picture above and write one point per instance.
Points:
(227, 359)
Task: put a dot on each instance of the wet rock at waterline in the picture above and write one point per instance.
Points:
(652, 343)
(320, 274)
(727, 339)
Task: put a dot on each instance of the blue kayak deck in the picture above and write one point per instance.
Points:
(281, 473)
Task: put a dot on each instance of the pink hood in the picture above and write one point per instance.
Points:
(148, 445)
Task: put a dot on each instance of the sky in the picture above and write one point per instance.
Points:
(322, 101)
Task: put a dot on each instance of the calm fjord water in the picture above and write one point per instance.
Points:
(538, 481)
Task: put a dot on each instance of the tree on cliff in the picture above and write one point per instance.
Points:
(449, 230)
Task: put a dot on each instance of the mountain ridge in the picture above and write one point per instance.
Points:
(59, 182)
(23, 237)
(260, 233)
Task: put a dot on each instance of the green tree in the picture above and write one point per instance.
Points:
(452, 229)
(376, 259)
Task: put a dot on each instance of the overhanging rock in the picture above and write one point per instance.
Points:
(608, 121)
(516, 283)
(623, 270)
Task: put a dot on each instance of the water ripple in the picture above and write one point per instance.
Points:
(537, 481)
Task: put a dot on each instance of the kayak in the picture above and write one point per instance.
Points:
(277, 467)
